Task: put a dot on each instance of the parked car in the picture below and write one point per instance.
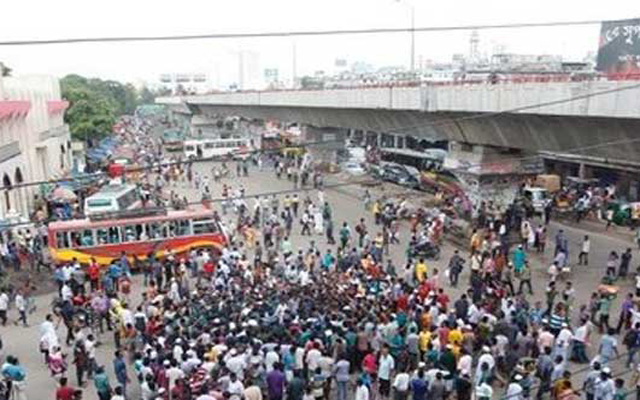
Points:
(399, 175)
(353, 168)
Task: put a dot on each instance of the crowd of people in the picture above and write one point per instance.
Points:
(341, 320)
(338, 317)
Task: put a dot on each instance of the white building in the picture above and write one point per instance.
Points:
(34, 141)
(198, 83)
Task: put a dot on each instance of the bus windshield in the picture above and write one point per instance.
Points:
(422, 161)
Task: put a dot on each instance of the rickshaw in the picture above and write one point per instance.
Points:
(562, 205)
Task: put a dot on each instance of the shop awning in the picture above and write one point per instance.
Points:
(56, 107)
(14, 109)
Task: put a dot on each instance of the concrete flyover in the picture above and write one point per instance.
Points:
(492, 114)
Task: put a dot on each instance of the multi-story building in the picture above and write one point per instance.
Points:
(35, 143)
(181, 83)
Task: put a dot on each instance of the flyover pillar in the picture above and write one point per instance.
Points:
(489, 176)
(327, 142)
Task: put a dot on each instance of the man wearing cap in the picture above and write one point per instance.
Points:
(589, 385)
(514, 390)
(605, 387)
(486, 359)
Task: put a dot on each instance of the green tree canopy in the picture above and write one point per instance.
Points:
(95, 105)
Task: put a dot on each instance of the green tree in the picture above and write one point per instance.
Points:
(90, 117)
(95, 105)
(146, 96)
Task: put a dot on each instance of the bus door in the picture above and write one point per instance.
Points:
(199, 150)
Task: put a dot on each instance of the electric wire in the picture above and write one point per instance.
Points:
(222, 199)
(302, 33)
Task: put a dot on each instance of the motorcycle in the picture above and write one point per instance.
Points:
(425, 249)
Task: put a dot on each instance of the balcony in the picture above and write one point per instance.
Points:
(9, 151)
(57, 131)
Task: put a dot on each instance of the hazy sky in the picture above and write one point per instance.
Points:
(37, 19)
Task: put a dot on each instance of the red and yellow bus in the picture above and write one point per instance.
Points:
(137, 233)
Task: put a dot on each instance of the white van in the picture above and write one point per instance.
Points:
(537, 197)
(112, 198)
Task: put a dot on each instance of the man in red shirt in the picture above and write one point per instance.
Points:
(93, 272)
(64, 392)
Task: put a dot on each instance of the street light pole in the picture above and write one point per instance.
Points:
(413, 38)
(413, 34)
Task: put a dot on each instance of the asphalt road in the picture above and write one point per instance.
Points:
(347, 206)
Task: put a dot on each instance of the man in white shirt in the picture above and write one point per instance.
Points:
(4, 306)
(174, 373)
(386, 364)
(514, 390)
(465, 363)
(583, 257)
(362, 391)
(235, 385)
(579, 342)
(401, 385)
(270, 359)
(66, 292)
(313, 358)
(21, 306)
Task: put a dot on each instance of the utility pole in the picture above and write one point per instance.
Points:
(294, 66)
(412, 9)
(413, 38)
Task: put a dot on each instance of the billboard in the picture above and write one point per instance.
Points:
(619, 49)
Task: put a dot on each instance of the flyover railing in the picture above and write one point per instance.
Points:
(491, 80)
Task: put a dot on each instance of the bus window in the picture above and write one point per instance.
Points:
(102, 235)
(172, 228)
(114, 235)
(62, 240)
(87, 238)
(76, 239)
(209, 145)
(184, 227)
(204, 226)
(179, 228)
(156, 230)
(132, 233)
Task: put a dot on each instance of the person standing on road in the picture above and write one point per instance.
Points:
(525, 279)
(456, 263)
(345, 235)
(4, 306)
(15, 375)
(386, 365)
(65, 392)
(120, 370)
(341, 374)
(21, 306)
(625, 261)
(583, 257)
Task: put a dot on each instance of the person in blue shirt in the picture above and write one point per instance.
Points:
(101, 382)
(124, 264)
(115, 273)
(15, 374)
(328, 260)
(419, 386)
(120, 370)
(58, 276)
(519, 258)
